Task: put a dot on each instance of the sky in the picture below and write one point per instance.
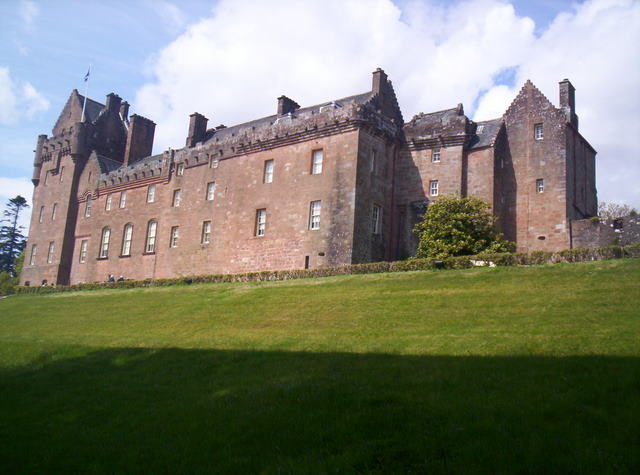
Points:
(231, 59)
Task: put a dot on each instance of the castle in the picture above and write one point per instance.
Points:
(336, 183)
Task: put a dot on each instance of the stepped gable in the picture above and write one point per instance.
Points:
(486, 133)
(72, 112)
(527, 93)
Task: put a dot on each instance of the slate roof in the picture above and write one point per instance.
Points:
(93, 108)
(107, 164)
(487, 137)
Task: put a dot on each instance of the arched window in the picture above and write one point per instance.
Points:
(127, 235)
(151, 236)
(104, 243)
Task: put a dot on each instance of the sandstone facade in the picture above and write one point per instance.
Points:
(337, 183)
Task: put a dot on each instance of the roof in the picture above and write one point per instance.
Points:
(92, 109)
(107, 164)
(486, 133)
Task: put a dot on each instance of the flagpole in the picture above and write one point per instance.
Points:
(86, 91)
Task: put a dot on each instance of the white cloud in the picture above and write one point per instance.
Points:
(171, 15)
(29, 11)
(18, 100)
(232, 65)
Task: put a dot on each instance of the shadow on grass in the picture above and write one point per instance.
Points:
(175, 410)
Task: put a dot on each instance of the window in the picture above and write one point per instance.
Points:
(173, 241)
(180, 169)
(50, 252)
(104, 243)
(88, 207)
(83, 251)
(206, 232)
(540, 185)
(123, 199)
(151, 236)
(316, 162)
(177, 195)
(372, 164)
(268, 171)
(314, 215)
(32, 258)
(376, 215)
(480, 129)
(151, 193)
(126, 240)
(41, 214)
(211, 191)
(107, 204)
(54, 211)
(261, 222)
(61, 174)
(433, 187)
(46, 177)
(537, 132)
(435, 155)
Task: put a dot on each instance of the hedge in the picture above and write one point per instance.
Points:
(459, 262)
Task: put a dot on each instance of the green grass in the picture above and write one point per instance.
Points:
(486, 370)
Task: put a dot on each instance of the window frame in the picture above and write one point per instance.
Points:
(108, 202)
(176, 198)
(152, 233)
(82, 254)
(174, 235)
(151, 194)
(538, 131)
(50, 252)
(539, 185)
(88, 207)
(317, 165)
(376, 219)
(105, 237)
(180, 169)
(54, 211)
(436, 155)
(434, 185)
(267, 173)
(122, 203)
(205, 235)
(315, 211)
(211, 191)
(32, 256)
(127, 238)
(261, 222)
(41, 214)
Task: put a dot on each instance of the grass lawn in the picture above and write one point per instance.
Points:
(486, 370)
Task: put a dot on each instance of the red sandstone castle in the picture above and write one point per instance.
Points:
(336, 183)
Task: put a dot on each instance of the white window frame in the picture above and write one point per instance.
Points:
(127, 237)
(50, 252)
(434, 188)
(261, 222)
(538, 132)
(32, 257)
(82, 256)
(177, 198)
(88, 207)
(180, 169)
(267, 176)
(540, 185)
(54, 211)
(151, 194)
(435, 155)
(104, 243)
(107, 204)
(376, 218)
(150, 242)
(211, 191)
(205, 237)
(174, 236)
(315, 209)
(123, 200)
(317, 159)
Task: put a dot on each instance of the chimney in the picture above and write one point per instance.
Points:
(113, 102)
(286, 105)
(568, 101)
(197, 129)
(139, 139)
(379, 82)
(124, 110)
(37, 159)
(460, 109)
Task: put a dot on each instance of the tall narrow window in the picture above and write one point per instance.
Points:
(376, 216)
(107, 204)
(46, 177)
(268, 171)
(54, 211)
(177, 196)
(435, 155)
(316, 162)
(104, 243)
(41, 214)
(180, 169)
(151, 236)
(123, 199)
(88, 206)
(61, 174)
(175, 234)
(83, 251)
(433, 187)
(211, 191)
(32, 258)
(314, 215)
(205, 238)
(151, 193)
(261, 222)
(127, 236)
(373, 161)
(540, 185)
(538, 132)
(50, 252)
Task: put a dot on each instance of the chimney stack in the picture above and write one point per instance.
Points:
(124, 110)
(139, 139)
(568, 101)
(113, 102)
(197, 129)
(286, 105)
(379, 82)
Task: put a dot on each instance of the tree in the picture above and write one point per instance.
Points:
(614, 210)
(454, 226)
(12, 241)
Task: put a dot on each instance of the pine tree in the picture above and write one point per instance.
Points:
(12, 241)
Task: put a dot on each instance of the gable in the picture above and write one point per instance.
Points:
(72, 112)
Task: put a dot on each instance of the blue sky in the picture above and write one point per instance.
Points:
(231, 59)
